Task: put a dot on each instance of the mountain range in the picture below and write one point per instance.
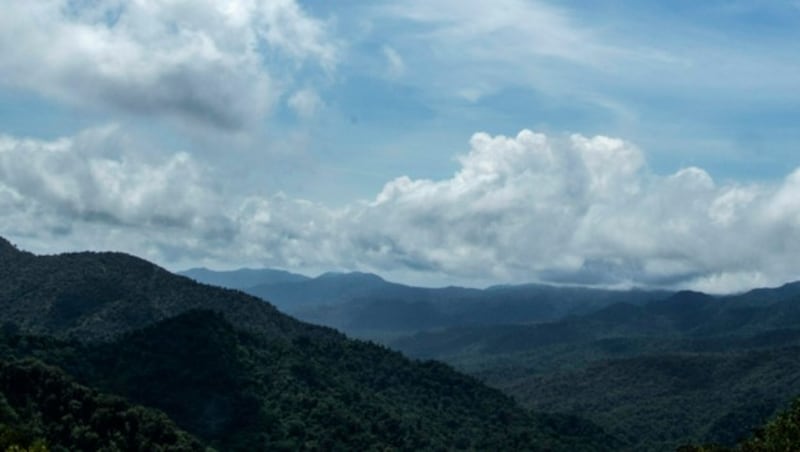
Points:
(232, 371)
(688, 368)
(366, 305)
(106, 351)
(631, 361)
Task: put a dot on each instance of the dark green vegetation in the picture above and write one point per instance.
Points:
(779, 435)
(365, 305)
(237, 374)
(691, 368)
(42, 408)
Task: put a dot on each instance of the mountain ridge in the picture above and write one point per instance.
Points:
(127, 326)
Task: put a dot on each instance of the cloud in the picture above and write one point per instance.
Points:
(531, 207)
(396, 67)
(478, 49)
(305, 103)
(97, 177)
(586, 210)
(218, 63)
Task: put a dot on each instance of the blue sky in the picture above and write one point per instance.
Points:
(616, 143)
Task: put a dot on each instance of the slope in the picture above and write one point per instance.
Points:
(688, 368)
(101, 295)
(242, 376)
(42, 407)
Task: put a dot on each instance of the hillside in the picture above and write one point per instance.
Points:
(690, 368)
(239, 391)
(101, 295)
(42, 408)
(233, 371)
(781, 433)
(663, 401)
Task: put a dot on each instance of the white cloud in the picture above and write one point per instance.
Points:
(96, 177)
(305, 103)
(531, 207)
(396, 67)
(209, 61)
(583, 210)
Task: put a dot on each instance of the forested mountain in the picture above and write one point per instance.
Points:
(100, 295)
(782, 433)
(689, 368)
(41, 408)
(364, 304)
(239, 375)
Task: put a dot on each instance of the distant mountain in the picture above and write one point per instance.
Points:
(365, 304)
(233, 371)
(681, 315)
(328, 288)
(242, 278)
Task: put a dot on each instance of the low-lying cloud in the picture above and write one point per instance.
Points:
(576, 210)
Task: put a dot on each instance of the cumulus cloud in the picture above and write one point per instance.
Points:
(206, 61)
(94, 176)
(587, 210)
(580, 210)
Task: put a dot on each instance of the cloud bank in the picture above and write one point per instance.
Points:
(217, 63)
(576, 210)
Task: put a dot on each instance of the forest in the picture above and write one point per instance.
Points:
(105, 351)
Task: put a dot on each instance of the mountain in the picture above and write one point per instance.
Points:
(242, 278)
(687, 368)
(238, 391)
(781, 433)
(99, 295)
(324, 289)
(658, 402)
(237, 374)
(42, 408)
(366, 305)
(681, 315)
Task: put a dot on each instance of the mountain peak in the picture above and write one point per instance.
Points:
(7, 249)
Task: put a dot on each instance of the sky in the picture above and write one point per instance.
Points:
(615, 143)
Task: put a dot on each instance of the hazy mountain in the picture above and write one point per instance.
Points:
(328, 288)
(682, 315)
(365, 304)
(239, 375)
(242, 278)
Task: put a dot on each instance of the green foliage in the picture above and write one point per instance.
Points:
(244, 391)
(43, 407)
(233, 371)
(692, 368)
(781, 434)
